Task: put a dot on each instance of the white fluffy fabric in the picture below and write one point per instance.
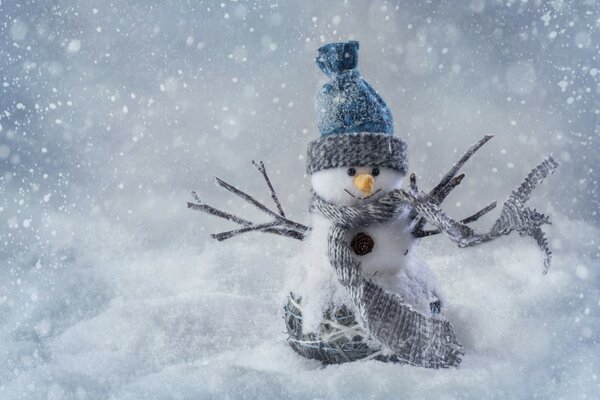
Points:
(392, 263)
(331, 184)
(387, 265)
(316, 281)
(393, 245)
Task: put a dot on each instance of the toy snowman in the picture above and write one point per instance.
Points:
(363, 293)
(356, 161)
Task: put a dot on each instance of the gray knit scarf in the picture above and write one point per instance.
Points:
(427, 341)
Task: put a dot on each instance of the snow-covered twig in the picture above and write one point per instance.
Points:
(480, 213)
(244, 196)
(258, 204)
(414, 189)
(238, 220)
(438, 193)
(200, 206)
(229, 234)
(260, 166)
(279, 226)
(445, 191)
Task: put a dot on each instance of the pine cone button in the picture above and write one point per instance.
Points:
(362, 244)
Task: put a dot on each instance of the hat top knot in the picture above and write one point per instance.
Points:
(336, 58)
(347, 103)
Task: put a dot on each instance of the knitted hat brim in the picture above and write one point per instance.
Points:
(355, 150)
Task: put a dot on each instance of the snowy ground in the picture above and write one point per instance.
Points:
(111, 113)
(114, 321)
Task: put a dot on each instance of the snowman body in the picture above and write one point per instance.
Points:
(355, 161)
(390, 261)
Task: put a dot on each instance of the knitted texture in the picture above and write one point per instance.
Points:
(427, 341)
(347, 103)
(513, 217)
(359, 149)
(340, 337)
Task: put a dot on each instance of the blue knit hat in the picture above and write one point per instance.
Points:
(355, 123)
(347, 103)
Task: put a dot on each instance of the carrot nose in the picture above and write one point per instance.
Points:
(364, 183)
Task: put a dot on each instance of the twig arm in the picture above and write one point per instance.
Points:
(258, 205)
(218, 213)
(227, 235)
(446, 185)
(438, 193)
(280, 225)
(260, 166)
(445, 191)
(480, 213)
(414, 189)
(245, 197)
(515, 216)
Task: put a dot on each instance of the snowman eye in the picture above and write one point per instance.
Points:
(375, 172)
(351, 171)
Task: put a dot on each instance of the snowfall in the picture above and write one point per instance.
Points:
(111, 113)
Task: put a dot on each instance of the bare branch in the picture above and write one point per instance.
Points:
(413, 184)
(421, 234)
(195, 196)
(279, 226)
(245, 197)
(261, 168)
(282, 231)
(454, 170)
(291, 233)
(445, 191)
(226, 235)
(218, 213)
(479, 213)
(414, 189)
(454, 182)
(259, 205)
(419, 224)
(446, 185)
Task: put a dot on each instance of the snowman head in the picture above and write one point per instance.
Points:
(357, 159)
(355, 185)
(356, 168)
